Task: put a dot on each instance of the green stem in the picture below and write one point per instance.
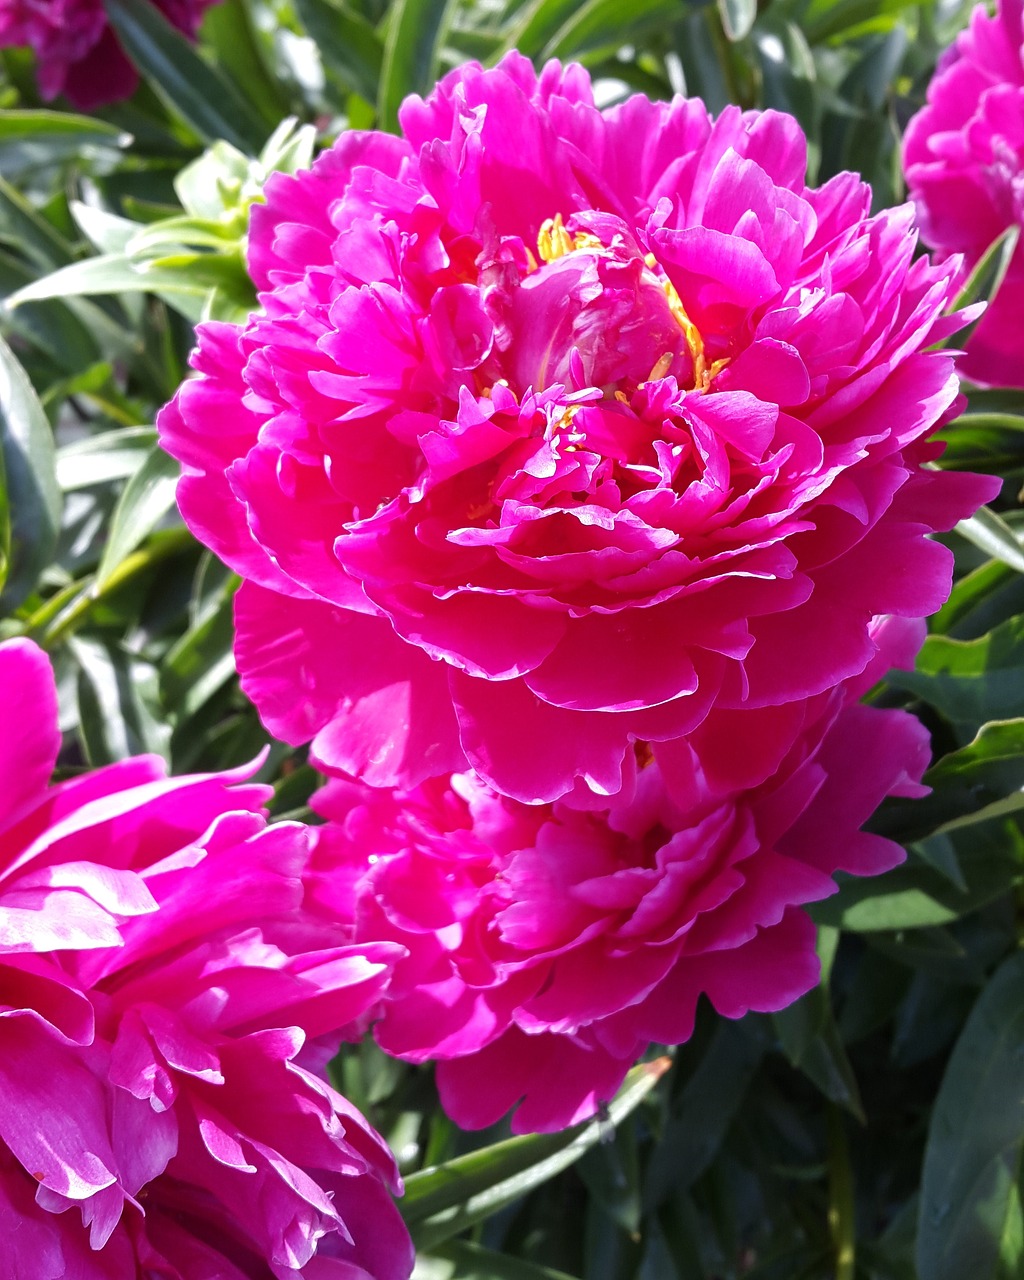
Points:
(55, 626)
(840, 1195)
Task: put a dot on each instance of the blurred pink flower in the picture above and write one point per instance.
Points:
(160, 980)
(547, 945)
(558, 427)
(77, 52)
(964, 159)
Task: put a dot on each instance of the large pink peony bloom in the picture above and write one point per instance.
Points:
(160, 978)
(559, 426)
(547, 945)
(964, 160)
(77, 52)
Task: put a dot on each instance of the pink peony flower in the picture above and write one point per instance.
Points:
(558, 427)
(547, 945)
(77, 52)
(964, 159)
(161, 978)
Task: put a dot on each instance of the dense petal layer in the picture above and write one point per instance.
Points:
(565, 426)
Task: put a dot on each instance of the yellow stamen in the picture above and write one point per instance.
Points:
(554, 241)
(661, 368)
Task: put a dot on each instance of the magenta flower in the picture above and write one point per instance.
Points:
(547, 945)
(162, 980)
(558, 427)
(964, 159)
(77, 52)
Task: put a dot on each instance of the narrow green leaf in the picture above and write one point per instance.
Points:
(970, 681)
(227, 32)
(811, 1041)
(147, 498)
(983, 441)
(100, 459)
(970, 1221)
(117, 703)
(737, 17)
(349, 45)
(984, 281)
(31, 232)
(34, 140)
(701, 1115)
(442, 1201)
(108, 273)
(32, 496)
(991, 534)
(417, 29)
(204, 98)
(462, 1260)
(535, 26)
(991, 859)
(598, 23)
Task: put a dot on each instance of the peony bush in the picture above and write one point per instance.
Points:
(574, 530)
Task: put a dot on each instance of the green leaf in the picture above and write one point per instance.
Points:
(983, 441)
(100, 459)
(737, 17)
(416, 31)
(204, 98)
(33, 140)
(984, 281)
(108, 273)
(971, 1221)
(119, 714)
(988, 769)
(598, 23)
(994, 536)
(811, 1041)
(227, 33)
(147, 498)
(704, 1110)
(462, 1260)
(442, 1201)
(970, 681)
(990, 856)
(30, 508)
(349, 45)
(535, 26)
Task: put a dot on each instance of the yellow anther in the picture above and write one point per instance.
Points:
(661, 368)
(553, 241)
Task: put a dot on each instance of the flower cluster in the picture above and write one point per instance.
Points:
(547, 945)
(162, 988)
(577, 467)
(545, 440)
(77, 52)
(964, 160)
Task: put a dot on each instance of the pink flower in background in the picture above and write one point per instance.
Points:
(161, 982)
(964, 160)
(77, 52)
(558, 427)
(548, 945)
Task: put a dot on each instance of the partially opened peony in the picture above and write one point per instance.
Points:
(548, 945)
(558, 427)
(964, 160)
(161, 978)
(77, 52)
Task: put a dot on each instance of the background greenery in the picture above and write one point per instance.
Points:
(874, 1130)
